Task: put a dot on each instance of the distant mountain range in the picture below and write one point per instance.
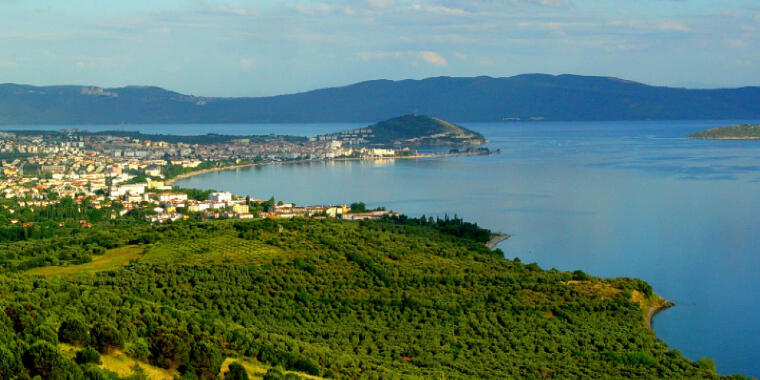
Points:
(522, 97)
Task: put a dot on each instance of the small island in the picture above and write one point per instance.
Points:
(409, 131)
(733, 132)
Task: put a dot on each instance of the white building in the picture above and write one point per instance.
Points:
(134, 189)
(220, 197)
(168, 197)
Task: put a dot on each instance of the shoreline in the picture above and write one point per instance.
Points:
(496, 238)
(656, 309)
(240, 166)
(725, 138)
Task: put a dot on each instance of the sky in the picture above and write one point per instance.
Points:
(270, 47)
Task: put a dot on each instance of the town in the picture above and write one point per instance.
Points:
(125, 174)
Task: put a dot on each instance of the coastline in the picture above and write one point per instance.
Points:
(180, 177)
(656, 309)
(656, 306)
(496, 238)
(725, 138)
(204, 171)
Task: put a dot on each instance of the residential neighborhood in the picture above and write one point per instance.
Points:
(129, 176)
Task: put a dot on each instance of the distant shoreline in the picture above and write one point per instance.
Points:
(731, 132)
(725, 138)
(240, 166)
(496, 238)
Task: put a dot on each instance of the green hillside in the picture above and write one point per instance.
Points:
(733, 132)
(423, 130)
(389, 299)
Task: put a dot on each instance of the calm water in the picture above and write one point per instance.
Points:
(611, 198)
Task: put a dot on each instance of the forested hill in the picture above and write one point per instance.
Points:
(423, 131)
(393, 299)
(524, 97)
(733, 132)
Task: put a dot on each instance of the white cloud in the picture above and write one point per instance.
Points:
(411, 56)
(380, 4)
(8, 64)
(312, 9)
(163, 30)
(440, 9)
(245, 63)
(673, 26)
(433, 58)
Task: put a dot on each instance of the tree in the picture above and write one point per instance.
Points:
(706, 363)
(579, 275)
(43, 359)
(236, 372)
(358, 207)
(87, 355)
(167, 347)
(205, 359)
(9, 364)
(73, 331)
(105, 337)
(274, 373)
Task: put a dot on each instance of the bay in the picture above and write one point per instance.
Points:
(611, 198)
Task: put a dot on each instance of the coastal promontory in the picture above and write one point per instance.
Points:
(733, 132)
(410, 130)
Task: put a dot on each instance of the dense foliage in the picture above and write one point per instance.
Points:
(379, 299)
(742, 131)
(451, 226)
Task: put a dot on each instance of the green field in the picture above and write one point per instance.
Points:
(110, 260)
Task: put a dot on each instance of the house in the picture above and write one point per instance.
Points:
(240, 209)
(335, 211)
(155, 184)
(220, 197)
(371, 215)
(168, 197)
(134, 189)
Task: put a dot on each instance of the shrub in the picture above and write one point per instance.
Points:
(205, 359)
(236, 372)
(73, 331)
(87, 355)
(105, 337)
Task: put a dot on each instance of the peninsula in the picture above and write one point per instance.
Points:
(733, 132)
(408, 130)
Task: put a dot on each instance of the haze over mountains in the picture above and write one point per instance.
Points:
(524, 97)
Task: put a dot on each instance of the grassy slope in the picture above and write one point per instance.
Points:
(376, 299)
(112, 259)
(741, 132)
(121, 364)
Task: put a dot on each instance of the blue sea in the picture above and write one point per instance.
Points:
(614, 199)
